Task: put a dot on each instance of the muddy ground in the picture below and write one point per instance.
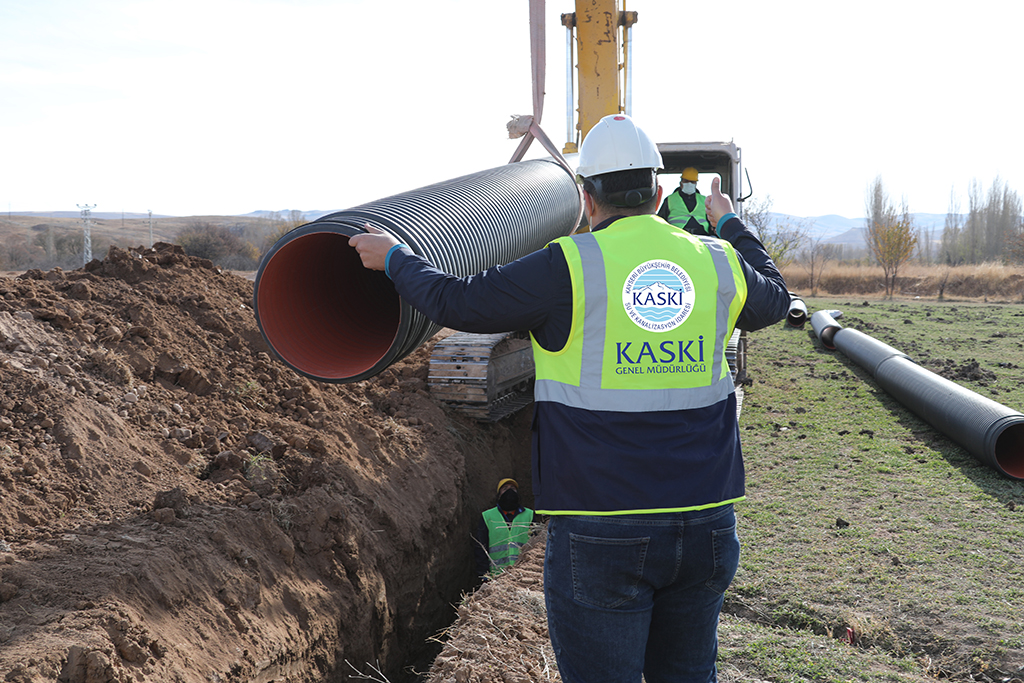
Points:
(177, 506)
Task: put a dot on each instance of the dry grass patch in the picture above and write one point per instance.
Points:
(978, 281)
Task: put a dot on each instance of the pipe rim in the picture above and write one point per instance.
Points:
(281, 336)
(1005, 443)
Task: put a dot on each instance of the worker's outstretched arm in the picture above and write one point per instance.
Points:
(523, 295)
(767, 295)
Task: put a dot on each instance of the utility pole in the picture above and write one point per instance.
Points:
(87, 229)
(151, 228)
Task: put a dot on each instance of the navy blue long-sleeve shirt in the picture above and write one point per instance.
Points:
(534, 292)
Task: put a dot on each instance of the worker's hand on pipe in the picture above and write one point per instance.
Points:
(718, 204)
(373, 246)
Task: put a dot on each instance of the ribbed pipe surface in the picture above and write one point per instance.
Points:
(330, 319)
(865, 351)
(991, 432)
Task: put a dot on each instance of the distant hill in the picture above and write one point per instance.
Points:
(840, 230)
(834, 229)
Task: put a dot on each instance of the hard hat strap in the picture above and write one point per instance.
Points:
(627, 199)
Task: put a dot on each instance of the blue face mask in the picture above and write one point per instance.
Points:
(689, 188)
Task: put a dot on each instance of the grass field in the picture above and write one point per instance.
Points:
(864, 523)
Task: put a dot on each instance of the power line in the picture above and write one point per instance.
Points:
(87, 229)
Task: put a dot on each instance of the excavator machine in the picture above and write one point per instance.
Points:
(491, 376)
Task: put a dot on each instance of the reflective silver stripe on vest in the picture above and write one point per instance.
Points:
(633, 400)
(726, 293)
(595, 313)
(589, 395)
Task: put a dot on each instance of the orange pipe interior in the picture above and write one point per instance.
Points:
(322, 312)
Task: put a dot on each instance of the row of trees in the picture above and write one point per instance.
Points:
(991, 230)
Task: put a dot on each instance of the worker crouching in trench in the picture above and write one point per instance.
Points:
(501, 532)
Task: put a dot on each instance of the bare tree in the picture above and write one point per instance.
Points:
(924, 245)
(781, 239)
(953, 250)
(219, 244)
(17, 253)
(1015, 247)
(279, 226)
(816, 254)
(1002, 216)
(974, 227)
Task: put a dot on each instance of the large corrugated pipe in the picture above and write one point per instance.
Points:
(991, 432)
(332, 320)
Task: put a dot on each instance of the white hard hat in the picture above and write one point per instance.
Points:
(617, 144)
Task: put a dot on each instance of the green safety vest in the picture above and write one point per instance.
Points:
(653, 310)
(680, 216)
(504, 540)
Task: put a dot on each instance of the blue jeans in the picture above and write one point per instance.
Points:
(638, 594)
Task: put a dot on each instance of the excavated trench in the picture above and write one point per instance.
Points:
(177, 505)
(332, 321)
(492, 452)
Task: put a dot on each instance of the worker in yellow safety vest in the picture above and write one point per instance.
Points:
(636, 454)
(684, 208)
(502, 531)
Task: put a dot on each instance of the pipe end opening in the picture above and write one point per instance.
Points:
(796, 319)
(321, 311)
(1009, 450)
(828, 336)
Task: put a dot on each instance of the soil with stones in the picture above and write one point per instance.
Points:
(175, 505)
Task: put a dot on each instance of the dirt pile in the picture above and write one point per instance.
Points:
(177, 506)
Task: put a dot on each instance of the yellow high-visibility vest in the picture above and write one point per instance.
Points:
(680, 216)
(504, 540)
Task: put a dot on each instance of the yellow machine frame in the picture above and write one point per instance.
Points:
(599, 33)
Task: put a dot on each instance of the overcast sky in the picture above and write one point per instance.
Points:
(225, 107)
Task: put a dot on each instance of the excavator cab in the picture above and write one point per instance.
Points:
(723, 159)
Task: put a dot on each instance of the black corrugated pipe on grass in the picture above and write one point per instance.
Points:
(330, 319)
(991, 432)
(797, 311)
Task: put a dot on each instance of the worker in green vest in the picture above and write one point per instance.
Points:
(502, 531)
(684, 208)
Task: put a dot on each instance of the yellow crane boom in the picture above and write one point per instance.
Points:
(599, 35)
